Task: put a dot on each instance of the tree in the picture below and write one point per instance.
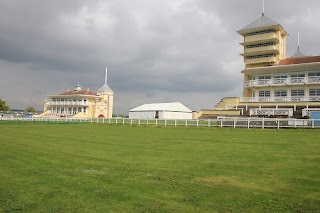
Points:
(3, 105)
(30, 109)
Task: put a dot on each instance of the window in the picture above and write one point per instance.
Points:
(264, 93)
(260, 45)
(260, 32)
(297, 75)
(280, 93)
(260, 56)
(314, 92)
(314, 74)
(297, 92)
(264, 77)
(277, 76)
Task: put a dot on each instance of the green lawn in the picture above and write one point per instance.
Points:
(103, 168)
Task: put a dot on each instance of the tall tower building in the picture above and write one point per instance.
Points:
(264, 42)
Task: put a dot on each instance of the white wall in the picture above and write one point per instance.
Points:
(142, 115)
(177, 115)
(162, 115)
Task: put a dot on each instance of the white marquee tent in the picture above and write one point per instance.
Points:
(174, 110)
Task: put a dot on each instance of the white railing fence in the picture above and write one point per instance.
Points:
(282, 81)
(280, 99)
(233, 122)
(271, 111)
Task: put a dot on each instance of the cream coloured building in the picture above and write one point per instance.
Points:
(274, 85)
(80, 103)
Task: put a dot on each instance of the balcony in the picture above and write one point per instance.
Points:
(260, 37)
(261, 49)
(282, 81)
(260, 60)
(68, 103)
(279, 99)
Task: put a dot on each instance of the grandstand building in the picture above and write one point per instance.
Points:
(273, 84)
(80, 103)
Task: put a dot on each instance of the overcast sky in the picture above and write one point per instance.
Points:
(155, 50)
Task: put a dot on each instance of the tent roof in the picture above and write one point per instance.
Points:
(173, 107)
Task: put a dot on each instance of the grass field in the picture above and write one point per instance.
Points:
(103, 168)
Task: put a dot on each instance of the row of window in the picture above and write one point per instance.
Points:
(68, 99)
(283, 93)
(260, 56)
(293, 75)
(68, 110)
(261, 45)
(260, 32)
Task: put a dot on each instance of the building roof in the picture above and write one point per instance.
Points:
(301, 60)
(298, 54)
(105, 88)
(262, 22)
(173, 107)
(79, 92)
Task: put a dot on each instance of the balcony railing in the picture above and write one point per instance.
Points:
(280, 99)
(282, 81)
(68, 103)
(271, 112)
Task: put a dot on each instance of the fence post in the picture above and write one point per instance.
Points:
(312, 123)
(278, 123)
(175, 122)
(186, 122)
(116, 120)
(165, 122)
(209, 123)
(221, 123)
(131, 122)
(234, 123)
(122, 121)
(262, 122)
(109, 120)
(139, 121)
(197, 123)
(248, 123)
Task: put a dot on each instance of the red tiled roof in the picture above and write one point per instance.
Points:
(304, 60)
(79, 92)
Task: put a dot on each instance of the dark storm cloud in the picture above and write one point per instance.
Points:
(156, 51)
